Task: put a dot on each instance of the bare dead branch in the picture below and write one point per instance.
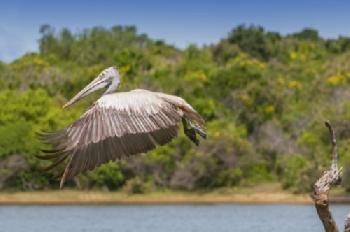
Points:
(322, 186)
(347, 223)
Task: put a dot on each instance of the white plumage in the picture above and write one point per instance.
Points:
(119, 125)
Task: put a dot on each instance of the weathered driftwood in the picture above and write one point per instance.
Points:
(347, 223)
(322, 186)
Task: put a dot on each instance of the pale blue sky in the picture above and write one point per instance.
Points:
(178, 22)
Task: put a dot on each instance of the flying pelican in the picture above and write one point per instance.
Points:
(119, 124)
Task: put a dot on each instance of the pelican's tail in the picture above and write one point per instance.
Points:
(192, 121)
(191, 130)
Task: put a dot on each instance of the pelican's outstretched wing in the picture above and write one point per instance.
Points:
(116, 126)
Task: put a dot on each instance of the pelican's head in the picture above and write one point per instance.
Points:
(108, 78)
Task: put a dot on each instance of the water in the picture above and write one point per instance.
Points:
(165, 218)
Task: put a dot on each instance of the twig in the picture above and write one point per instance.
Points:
(334, 146)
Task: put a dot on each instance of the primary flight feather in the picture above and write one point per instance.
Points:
(119, 124)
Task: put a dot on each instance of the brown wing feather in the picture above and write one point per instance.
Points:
(107, 133)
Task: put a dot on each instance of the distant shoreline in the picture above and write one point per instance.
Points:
(70, 197)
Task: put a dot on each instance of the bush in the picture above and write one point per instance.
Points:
(291, 170)
(137, 186)
(108, 175)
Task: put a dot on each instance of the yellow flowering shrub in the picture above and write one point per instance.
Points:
(339, 78)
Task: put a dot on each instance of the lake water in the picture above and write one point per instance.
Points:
(165, 218)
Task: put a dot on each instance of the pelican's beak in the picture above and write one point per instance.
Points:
(98, 83)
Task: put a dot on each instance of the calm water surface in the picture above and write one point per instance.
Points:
(165, 218)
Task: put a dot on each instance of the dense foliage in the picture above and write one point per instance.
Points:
(264, 96)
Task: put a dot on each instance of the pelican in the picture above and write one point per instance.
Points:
(118, 125)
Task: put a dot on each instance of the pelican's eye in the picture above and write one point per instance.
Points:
(108, 84)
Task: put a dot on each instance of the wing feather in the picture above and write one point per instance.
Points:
(116, 126)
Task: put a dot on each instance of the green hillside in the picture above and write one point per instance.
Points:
(264, 96)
